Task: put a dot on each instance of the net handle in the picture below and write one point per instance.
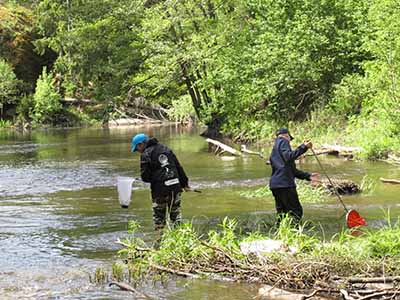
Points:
(330, 181)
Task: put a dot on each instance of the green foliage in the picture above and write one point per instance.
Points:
(377, 126)
(181, 109)
(46, 101)
(225, 238)
(289, 57)
(5, 123)
(118, 272)
(24, 109)
(18, 35)
(8, 83)
(133, 226)
(180, 244)
(294, 235)
(349, 95)
(373, 244)
(97, 42)
(374, 136)
(322, 125)
(100, 276)
(368, 185)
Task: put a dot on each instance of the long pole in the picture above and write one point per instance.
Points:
(330, 181)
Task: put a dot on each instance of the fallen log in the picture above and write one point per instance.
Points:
(393, 181)
(339, 148)
(126, 287)
(244, 149)
(336, 150)
(221, 148)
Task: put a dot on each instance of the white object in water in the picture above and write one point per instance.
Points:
(263, 247)
(124, 185)
(228, 158)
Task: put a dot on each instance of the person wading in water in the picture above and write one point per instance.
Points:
(284, 171)
(160, 167)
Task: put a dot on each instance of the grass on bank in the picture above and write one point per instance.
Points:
(185, 251)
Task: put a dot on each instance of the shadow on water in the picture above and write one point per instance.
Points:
(60, 215)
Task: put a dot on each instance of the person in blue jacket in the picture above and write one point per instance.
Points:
(284, 171)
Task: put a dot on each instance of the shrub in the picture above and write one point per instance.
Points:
(46, 100)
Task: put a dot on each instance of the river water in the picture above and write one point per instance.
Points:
(60, 216)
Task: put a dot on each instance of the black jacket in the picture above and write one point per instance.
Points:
(283, 165)
(160, 167)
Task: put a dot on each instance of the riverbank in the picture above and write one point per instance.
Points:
(298, 260)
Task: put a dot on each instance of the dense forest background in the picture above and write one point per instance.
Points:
(325, 68)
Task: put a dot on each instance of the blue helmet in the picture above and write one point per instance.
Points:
(137, 139)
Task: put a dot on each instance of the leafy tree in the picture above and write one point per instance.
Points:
(383, 72)
(243, 64)
(97, 45)
(289, 57)
(8, 84)
(17, 34)
(250, 61)
(377, 126)
(182, 40)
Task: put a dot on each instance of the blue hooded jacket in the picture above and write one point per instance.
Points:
(283, 165)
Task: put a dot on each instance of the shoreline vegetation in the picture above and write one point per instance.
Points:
(350, 265)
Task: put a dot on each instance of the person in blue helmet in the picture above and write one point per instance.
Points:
(160, 167)
(284, 171)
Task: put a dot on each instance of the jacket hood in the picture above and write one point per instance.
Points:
(151, 142)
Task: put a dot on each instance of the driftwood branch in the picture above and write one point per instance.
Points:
(244, 149)
(374, 279)
(136, 247)
(221, 147)
(305, 297)
(126, 287)
(393, 181)
(346, 295)
(379, 295)
(175, 272)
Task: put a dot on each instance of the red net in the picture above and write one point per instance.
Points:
(354, 219)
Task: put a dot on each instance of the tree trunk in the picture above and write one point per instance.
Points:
(214, 127)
